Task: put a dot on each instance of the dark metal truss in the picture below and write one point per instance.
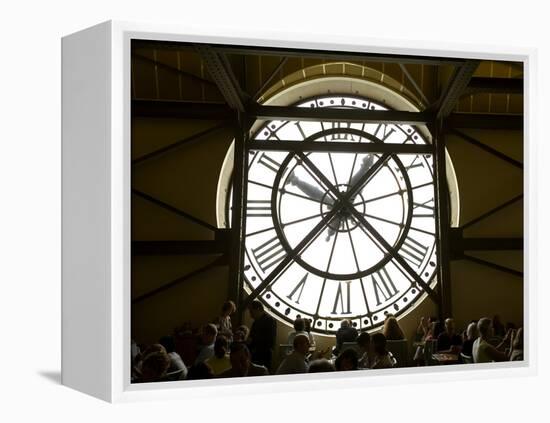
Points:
(178, 144)
(456, 88)
(492, 211)
(173, 209)
(493, 265)
(494, 86)
(220, 261)
(488, 149)
(220, 70)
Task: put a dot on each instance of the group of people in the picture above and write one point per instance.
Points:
(217, 350)
(483, 341)
(220, 351)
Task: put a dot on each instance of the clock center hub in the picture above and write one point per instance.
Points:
(344, 221)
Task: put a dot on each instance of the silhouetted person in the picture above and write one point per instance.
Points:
(263, 334)
(347, 360)
(449, 340)
(346, 333)
(241, 366)
(296, 361)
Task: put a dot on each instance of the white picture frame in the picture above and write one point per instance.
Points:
(96, 213)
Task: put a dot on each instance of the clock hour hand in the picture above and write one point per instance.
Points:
(311, 191)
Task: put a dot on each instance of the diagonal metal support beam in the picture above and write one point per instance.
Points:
(220, 70)
(419, 91)
(173, 209)
(177, 144)
(456, 87)
(492, 211)
(494, 266)
(266, 83)
(220, 261)
(488, 149)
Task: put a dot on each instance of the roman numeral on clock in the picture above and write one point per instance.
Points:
(386, 132)
(270, 163)
(298, 288)
(383, 286)
(339, 300)
(423, 207)
(302, 133)
(258, 208)
(339, 135)
(269, 253)
(413, 251)
(415, 163)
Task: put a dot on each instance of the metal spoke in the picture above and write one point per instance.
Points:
(357, 265)
(355, 157)
(381, 197)
(359, 216)
(398, 224)
(328, 269)
(352, 190)
(304, 244)
(285, 191)
(292, 222)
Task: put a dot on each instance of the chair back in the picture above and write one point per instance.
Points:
(495, 340)
(430, 347)
(175, 375)
(400, 351)
(466, 359)
(350, 345)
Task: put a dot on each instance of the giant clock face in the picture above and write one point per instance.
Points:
(333, 235)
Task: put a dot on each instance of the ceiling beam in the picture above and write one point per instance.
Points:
(484, 121)
(338, 115)
(220, 71)
(173, 248)
(459, 244)
(492, 244)
(339, 55)
(306, 53)
(339, 146)
(456, 87)
(181, 110)
(494, 86)
(173, 69)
